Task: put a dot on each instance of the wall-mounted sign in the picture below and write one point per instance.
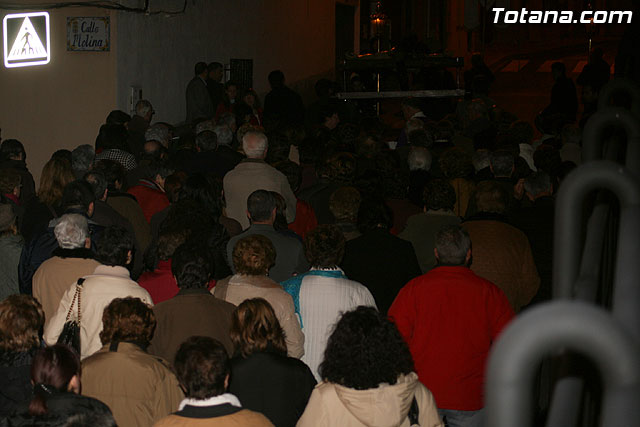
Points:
(88, 34)
(26, 39)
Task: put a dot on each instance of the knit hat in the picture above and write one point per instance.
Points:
(7, 217)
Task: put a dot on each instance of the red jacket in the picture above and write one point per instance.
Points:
(161, 284)
(150, 197)
(450, 317)
(305, 219)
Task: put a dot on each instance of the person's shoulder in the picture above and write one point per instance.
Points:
(252, 418)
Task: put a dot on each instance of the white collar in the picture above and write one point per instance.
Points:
(212, 401)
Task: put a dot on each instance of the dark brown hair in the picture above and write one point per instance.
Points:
(324, 246)
(21, 320)
(254, 255)
(51, 371)
(202, 366)
(127, 319)
(254, 327)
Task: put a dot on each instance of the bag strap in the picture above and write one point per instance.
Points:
(414, 413)
(76, 296)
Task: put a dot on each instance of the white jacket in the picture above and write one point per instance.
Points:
(98, 290)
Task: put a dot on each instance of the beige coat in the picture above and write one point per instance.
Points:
(138, 388)
(98, 290)
(251, 175)
(385, 406)
(54, 277)
(239, 419)
(501, 254)
(245, 287)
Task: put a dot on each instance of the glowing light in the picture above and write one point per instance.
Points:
(26, 32)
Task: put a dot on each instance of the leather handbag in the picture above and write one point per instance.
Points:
(70, 335)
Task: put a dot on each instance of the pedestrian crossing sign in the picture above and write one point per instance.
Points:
(26, 39)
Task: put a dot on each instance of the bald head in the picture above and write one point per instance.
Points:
(255, 144)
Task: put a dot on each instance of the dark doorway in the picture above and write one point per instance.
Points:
(344, 30)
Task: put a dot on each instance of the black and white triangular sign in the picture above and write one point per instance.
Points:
(26, 39)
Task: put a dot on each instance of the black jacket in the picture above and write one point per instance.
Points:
(382, 262)
(273, 384)
(15, 381)
(62, 406)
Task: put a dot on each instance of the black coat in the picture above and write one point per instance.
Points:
(382, 262)
(60, 407)
(273, 384)
(15, 381)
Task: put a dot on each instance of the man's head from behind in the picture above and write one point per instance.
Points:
(72, 232)
(453, 246)
(190, 267)
(502, 163)
(276, 79)
(491, 197)
(115, 247)
(215, 70)
(78, 197)
(538, 184)
(144, 109)
(261, 207)
(12, 149)
(206, 141)
(202, 366)
(200, 69)
(255, 145)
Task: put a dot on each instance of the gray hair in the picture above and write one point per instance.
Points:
(204, 125)
(480, 160)
(224, 133)
(413, 124)
(452, 243)
(537, 182)
(158, 133)
(207, 140)
(419, 159)
(82, 157)
(143, 107)
(502, 162)
(72, 231)
(254, 144)
(227, 119)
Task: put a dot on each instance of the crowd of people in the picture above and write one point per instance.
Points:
(279, 266)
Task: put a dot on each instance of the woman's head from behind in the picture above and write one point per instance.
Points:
(56, 174)
(365, 350)
(127, 319)
(254, 255)
(54, 369)
(21, 320)
(255, 327)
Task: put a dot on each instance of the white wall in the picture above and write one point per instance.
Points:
(61, 104)
(158, 53)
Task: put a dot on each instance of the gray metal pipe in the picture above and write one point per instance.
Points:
(620, 85)
(593, 141)
(562, 324)
(626, 290)
(565, 404)
(591, 176)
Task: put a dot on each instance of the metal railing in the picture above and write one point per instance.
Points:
(604, 260)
